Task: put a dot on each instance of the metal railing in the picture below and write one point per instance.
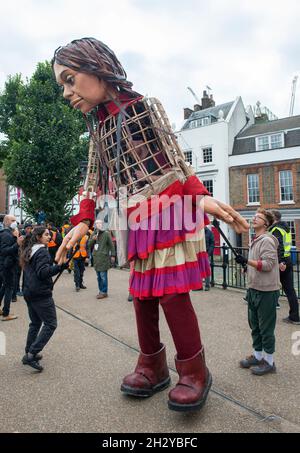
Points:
(227, 273)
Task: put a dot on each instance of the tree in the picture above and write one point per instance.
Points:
(44, 143)
(9, 101)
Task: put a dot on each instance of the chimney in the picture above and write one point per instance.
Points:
(187, 113)
(207, 101)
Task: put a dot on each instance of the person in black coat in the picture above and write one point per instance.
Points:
(10, 240)
(38, 285)
(280, 230)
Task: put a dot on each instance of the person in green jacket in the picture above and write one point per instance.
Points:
(103, 251)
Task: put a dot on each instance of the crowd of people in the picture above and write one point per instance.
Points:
(27, 265)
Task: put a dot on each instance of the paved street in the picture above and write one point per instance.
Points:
(95, 345)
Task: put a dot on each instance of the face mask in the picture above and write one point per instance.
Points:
(13, 225)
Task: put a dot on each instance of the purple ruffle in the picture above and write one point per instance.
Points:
(176, 279)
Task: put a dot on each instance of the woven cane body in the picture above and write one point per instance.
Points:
(135, 148)
(138, 147)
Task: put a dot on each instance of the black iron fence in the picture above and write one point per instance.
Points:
(226, 272)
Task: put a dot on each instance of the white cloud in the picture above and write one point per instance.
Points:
(238, 48)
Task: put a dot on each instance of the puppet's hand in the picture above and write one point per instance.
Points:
(70, 240)
(226, 213)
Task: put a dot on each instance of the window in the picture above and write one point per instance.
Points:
(207, 155)
(276, 141)
(188, 157)
(262, 143)
(286, 185)
(200, 122)
(253, 188)
(209, 185)
(291, 224)
(270, 142)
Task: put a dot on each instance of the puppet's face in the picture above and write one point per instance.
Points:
(84, 91)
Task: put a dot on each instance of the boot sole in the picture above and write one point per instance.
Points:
(145, 393)
(195, 406)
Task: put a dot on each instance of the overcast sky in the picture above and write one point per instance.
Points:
(238, 48)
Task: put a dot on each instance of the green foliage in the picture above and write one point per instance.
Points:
(43, 145)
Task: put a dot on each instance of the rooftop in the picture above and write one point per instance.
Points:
(211, 112)
(291, 122)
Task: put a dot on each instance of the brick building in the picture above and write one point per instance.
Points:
(264, 171)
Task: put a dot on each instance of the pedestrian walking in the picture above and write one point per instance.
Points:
(282, 232)
(10, 240)
(38, 286)
(103, 256)
(262, 295)
(79, 260)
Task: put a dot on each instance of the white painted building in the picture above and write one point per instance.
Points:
(207, 139)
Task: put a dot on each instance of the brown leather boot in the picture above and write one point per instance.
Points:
(150, 376)
(193, 386)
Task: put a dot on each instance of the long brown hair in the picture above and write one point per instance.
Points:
(92, 56)
(29, 241)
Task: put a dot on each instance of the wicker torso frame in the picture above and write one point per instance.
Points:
(147, 150)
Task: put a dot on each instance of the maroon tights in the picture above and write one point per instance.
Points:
(181, 319)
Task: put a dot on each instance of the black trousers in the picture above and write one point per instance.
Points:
(43, 322)
(287, 282)
(17, 282)
(8, 277)
(79, 269)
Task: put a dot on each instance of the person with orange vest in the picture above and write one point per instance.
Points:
(79, 262)
(55, 241)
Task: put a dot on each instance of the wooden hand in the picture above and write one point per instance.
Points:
(70, 240)
(226, 213)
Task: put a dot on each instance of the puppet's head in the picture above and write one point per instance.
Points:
(90, 56)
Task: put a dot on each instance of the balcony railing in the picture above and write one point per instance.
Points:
(227, 273)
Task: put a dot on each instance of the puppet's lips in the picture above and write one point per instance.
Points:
(75, 103)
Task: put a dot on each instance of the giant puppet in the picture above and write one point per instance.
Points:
(133, 147)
